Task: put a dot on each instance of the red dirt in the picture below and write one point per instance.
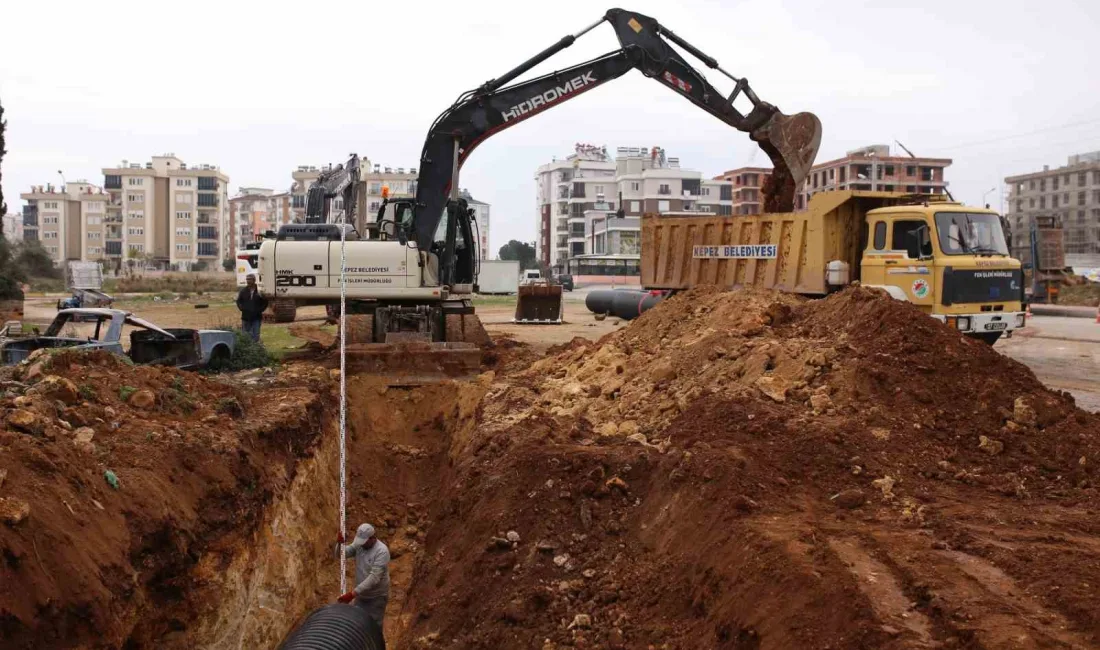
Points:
(731, 470)
(91, 566)
(747, 470)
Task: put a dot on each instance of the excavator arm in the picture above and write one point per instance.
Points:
(790, 141)
(339, 181)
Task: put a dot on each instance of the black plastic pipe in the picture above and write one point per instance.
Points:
(336, 627)
(624, 304)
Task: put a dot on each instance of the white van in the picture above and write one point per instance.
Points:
(248, 263)
(531, 276)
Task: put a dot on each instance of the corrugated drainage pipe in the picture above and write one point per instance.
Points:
(621, 303)
(336, 627)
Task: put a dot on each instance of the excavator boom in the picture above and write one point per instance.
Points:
(790, 141)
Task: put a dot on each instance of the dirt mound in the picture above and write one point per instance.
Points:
(125, 478)
(751, 470)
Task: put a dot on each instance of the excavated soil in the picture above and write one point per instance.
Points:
(731, 470)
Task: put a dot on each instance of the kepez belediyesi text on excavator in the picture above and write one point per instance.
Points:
(412, 273)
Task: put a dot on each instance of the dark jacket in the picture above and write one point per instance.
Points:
(251, 303)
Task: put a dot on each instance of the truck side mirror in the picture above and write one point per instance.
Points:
(914, 245)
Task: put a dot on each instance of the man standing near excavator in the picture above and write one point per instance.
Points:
(252, 305)
(372, 573)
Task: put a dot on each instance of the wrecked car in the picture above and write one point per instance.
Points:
(149, 344)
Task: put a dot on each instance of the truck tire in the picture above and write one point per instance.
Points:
(285, 310)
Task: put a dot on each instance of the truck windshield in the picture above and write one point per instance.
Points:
(970, 233)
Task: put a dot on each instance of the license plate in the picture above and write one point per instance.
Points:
(996, 326)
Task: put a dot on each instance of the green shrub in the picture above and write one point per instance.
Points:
(246, 354)
(124, 392)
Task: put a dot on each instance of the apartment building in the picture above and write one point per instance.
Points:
(1070, 192)
(748, 187)
(13, 227)
(373, 177)
(874, 168)
(639, 180)
(481, 217)
(250, 214)
(69, 221)
(167, 212)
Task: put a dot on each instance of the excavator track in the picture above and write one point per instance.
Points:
(406, 359)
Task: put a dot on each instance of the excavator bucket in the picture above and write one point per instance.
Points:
(411, 359)
(539, 304)
(791, 141)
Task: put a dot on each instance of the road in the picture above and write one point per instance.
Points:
(1064, 353)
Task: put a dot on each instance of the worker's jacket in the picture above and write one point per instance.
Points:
(372, 571)
(251, 303)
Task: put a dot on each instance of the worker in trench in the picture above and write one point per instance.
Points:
(372, 573)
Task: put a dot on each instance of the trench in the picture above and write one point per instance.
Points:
(398, 444)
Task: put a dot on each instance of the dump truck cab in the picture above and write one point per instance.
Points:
(948, 259)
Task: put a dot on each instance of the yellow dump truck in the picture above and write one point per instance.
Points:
(948, 259)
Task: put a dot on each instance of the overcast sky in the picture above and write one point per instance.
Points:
(1002, 87)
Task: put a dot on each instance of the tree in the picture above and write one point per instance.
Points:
(3, 127)
(229, 263)
(33, 260)
(522, 251)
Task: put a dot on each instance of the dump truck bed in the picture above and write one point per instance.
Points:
(786, 251)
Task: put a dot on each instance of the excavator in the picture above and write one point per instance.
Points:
(410, 275)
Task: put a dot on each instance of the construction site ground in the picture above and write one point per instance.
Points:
(731, 470)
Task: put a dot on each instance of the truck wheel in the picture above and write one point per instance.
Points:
(989, 338)
(285, 310)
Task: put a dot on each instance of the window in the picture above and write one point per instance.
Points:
(705, 191)
(135, 198)
(375, 188)
(599, 190)
(95, 235)
(137, 248)
(183, 248)
(92, 250)
(663, 189)
(1065, 180)
(183, 182)
(889, 171)
(1031, 202)
(93, 206)
(136, 231)
(1042, 202)
(635, 206)
(112, 182)
(50, 205)
(183, 216)
(880, 235)
(183, 232)
(1054, 183)
(906, 234)
(1031, 184)
(1043, 185)
(1081, 198)
(1096, 177)
(184, 198)
(134, 182)
(208, 183)
(963, 233)
(1054, 201)
(50, 235)
(95, 221)
(635, 186)
(208, 232)
(208, 249)
(208, 200)
(662, 206)
(1019, 206)
(1081, 178)
(1096, 196)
